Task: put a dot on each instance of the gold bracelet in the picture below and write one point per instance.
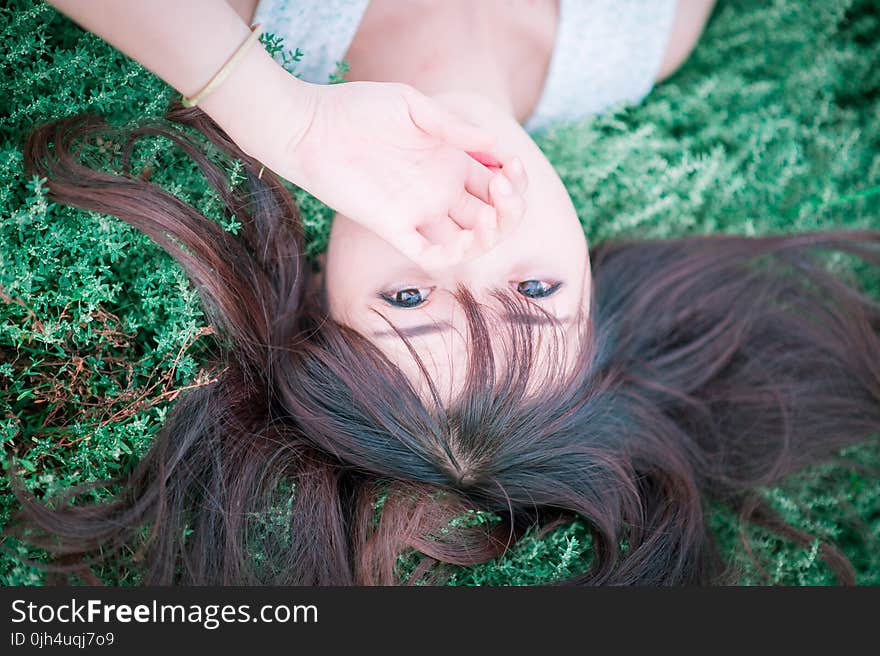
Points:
(220, 75)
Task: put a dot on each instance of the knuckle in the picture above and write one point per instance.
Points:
(461, 207)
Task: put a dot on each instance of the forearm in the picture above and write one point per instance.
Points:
(185, 43)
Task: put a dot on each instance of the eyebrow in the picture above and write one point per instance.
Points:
(443, 326)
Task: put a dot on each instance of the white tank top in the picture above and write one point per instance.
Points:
(607, 52)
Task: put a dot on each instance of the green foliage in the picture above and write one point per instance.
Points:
(771, 126)
(534, 559)
(288, 58)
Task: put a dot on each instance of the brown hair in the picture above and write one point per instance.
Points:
(710, 366)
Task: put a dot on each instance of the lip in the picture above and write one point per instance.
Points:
(486, 159)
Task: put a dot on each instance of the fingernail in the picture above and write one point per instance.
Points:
(503, 186)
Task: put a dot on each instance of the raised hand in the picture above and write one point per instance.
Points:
(397, 162)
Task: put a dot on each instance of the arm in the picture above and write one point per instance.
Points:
(691, 17)
(383, 154)
(185, 44)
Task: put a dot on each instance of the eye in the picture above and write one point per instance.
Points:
(537, 288)
(407, 298)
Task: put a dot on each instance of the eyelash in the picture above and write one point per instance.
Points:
(390, 297)
(547, 289)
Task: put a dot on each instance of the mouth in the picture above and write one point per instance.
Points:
(486, 160)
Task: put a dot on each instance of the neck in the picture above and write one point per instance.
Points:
(498, 52)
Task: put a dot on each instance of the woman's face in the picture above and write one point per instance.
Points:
(544, 258)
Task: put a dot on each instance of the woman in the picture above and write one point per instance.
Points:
(625, 391)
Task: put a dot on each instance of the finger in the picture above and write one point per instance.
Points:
(469, 211)
(411, 243)
(430, 116)
(472, 213)
(516, 173)
(442, 230)
(430, 256)
(509, 205)
(477, 181)
(457, 243)
(449, 234)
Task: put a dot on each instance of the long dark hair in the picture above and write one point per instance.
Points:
(709, 366)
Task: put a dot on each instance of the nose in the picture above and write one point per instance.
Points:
(481, 275)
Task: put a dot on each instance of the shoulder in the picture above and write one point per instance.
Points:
(687, 26)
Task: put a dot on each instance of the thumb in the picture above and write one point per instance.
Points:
(426, 254)
(438, 121)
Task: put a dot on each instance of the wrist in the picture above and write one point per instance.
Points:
(259, 105)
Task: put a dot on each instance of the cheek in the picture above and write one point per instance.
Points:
(343, 233)
(358, 263)
(559, 243)
(354, 247)
(572, 246)
(343, 261)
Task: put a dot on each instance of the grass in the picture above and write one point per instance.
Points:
(771, 126)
